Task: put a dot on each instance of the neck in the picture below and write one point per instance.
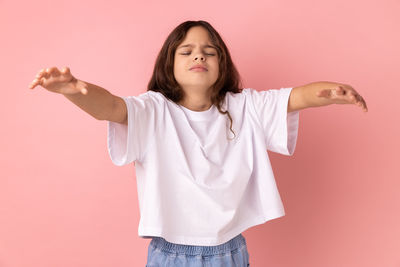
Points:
(196, 102)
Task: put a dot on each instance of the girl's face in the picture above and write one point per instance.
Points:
(196, 49)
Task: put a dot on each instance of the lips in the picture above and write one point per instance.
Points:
(198, 67)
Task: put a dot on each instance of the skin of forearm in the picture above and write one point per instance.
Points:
(98, 102)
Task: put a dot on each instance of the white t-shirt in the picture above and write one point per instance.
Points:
(197, 185)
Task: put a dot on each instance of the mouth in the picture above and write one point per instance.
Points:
(198, 69)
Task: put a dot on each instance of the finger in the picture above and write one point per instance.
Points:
(53, 71)
(340, 90)
(46, 73)
(362, 100)
(65, 70)
(41, 71)
(36, 82)
(364, 104)
(32, 84)
(40, 74)
(357, 98)
(41, 81)
(338, 93)
(38, 79)
(352, 97)
(361, 103)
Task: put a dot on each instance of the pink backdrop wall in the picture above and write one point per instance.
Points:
(62, 201)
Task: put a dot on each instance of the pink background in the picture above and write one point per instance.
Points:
(62, 201)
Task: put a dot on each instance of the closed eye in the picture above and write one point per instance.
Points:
(189, 53)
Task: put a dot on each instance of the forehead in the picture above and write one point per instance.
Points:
(197, 36)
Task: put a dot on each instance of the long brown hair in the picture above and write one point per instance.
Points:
(163, 79)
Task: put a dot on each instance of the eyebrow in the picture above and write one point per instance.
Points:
(191, 45)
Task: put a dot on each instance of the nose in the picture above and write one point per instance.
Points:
(201, 57)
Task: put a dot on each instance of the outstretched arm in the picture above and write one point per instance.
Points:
(324, 93)
(93, 99)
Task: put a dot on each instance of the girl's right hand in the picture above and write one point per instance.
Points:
(61, 82)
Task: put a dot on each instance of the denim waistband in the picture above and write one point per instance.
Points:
(235, 243)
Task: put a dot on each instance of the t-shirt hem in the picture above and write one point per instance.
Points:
(147, 232)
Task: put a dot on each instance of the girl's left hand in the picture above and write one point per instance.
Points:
(344, 94)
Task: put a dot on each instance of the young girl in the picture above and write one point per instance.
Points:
(199, 144)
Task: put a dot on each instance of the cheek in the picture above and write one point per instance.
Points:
(180, 67)
(179, 71)
(217, 69)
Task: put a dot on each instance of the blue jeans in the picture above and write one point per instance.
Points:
(233, 253)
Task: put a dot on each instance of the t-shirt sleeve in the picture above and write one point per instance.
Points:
(128, 143)
(280, 127)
